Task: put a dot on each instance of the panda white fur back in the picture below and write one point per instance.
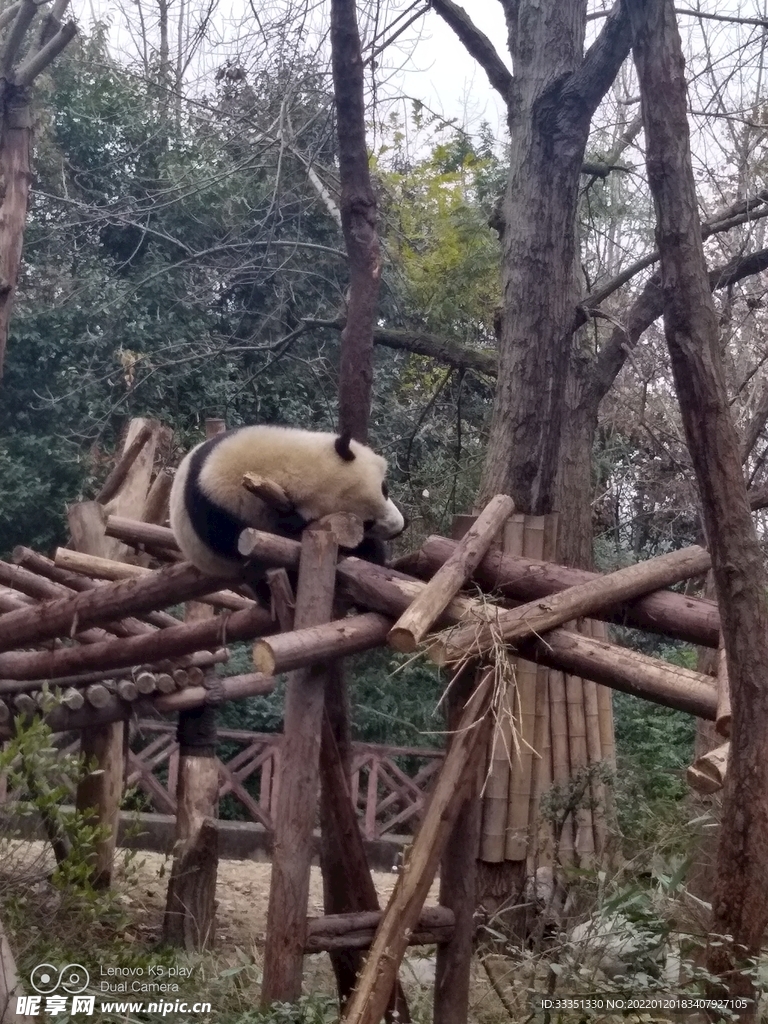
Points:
(320, 473)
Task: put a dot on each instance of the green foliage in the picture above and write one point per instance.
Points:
(311, 1009)
(655, 746)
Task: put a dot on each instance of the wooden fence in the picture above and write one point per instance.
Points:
(389, 785)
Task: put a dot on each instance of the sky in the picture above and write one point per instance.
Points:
(447, 79)
(429, 63)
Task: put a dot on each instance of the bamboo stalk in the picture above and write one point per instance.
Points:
(540, 842)
(723, 720)
(584, 845)
(561, 767)
(414, 624)
(516, 846)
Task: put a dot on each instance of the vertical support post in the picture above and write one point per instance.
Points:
(190, 908)
(458, 880)
(100, 792)
(347, 883)
(298, 797)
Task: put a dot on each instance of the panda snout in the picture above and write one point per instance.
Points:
(390, 525)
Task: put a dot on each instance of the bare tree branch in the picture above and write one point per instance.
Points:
(39, 61)
(648, 307)
(754, 427)
(743, 212)
(602, 61)
(477, 44)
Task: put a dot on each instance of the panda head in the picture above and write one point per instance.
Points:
(355, 482)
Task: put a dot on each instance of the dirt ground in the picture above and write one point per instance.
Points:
(242, 893)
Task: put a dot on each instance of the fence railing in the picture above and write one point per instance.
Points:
(389, 785)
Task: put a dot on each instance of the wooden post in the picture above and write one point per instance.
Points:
(298, 799)
(190, 909)
(100, 792)
(347, 883)
(458, 877)
(462, 762)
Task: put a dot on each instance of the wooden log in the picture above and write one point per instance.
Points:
(414, 624)
(356, 930)
(42, 566)
(195, 676)
(251, 684)
(284, 652)
(99, 793)
(94, 607)
(156, 506)
(61, 719)
(194, 896)
(190, 914)
(588, 657)
(723, 720)
(24, 704)
(108, 569)
(98, 696)
(168, 682)
(539, 616)
(297, 806)
(126, 689)
(179, 677)
(268, 491)
(205, 658)
(283, 600)
(29, 585)
(692, 619)
(369, 999)
(624, 670)
(103, 748)
(146, 683)
(347, 882)
(72, 699)
(164, 643)
(458, 881)
(707, 773)
(124, 464)
(136, 532)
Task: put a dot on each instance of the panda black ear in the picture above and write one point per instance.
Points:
(341, 444)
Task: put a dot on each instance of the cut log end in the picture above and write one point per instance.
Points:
(402, 640)
(263, 658)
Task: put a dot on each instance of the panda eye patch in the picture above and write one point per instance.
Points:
(384, 489)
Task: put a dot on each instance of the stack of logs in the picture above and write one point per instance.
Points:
(91, 630)
(88, 631)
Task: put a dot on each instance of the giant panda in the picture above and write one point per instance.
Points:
(320, 473)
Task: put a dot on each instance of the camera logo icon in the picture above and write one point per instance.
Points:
(46, 979)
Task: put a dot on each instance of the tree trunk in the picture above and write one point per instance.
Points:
(358, 220)
(691, 328)
(551, 100)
